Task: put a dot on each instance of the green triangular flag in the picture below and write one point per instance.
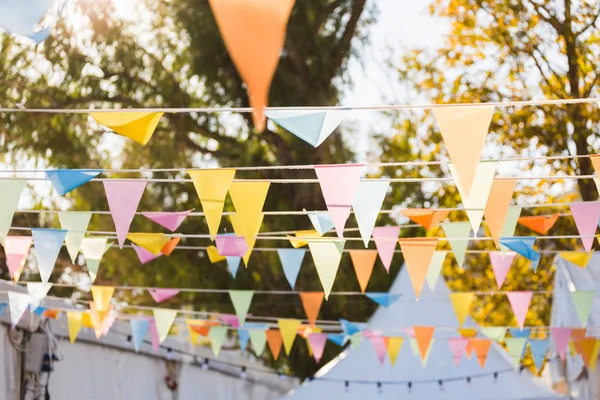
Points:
(510, 225)
(327, 255)
(258, 338)
(583, 300)
(241, 300)
(435, 268)
(494, 333)
(217, 335)
(11, 193)
(356, 340)
(76, 224)
(455, 231)
(515, 348)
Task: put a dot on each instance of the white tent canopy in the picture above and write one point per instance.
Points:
(362, 369)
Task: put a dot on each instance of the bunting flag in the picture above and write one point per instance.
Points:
(585, 347)
(456, 232)
(561, 337)
(288, 328)
(170, 246)
(520, 332)
(75, 322)
(230, 245)
(460, 125)
(47, 244)
(497, 206)
(93, 249)
(510, 223)
(217, 336)
(539, 223)
(20, 18)
(493, 332)
(578, 258)
(212, 187)
(383, 299)
(231, 320)
(123, 200)
(16, 249)
(363, 262)
(144, 255)
(595, 160)
(461, 303)
(66, 180)
(587, 217)
(423, 336)
(258, 338)
(385, 241)
(321, 221)
(11, 190)
(317, 342)
(427, 218)
(356, 340)
(379, 347)
(154, 335)
(418, 253)
(458, 347)
(583, 301)
(213, 255)
(539, 348)
(153, 242)
(516, 349)
(339, 184)
(435, 268)
(163, 318)
(311, 302)
(241, 300)
(254, 34)
(327, 255)
(233, 264)
(523, 245)
(76, 224)
(314, 127)
(138, 126)
(37, 291)
(291, 260)
(160, 295)
(300, 236)
(274, 340)
(170, 220)
(367, 203)
(519, 302)
(351, 328)
(475, 200)
(414, 346)
(18, 304)
(139, 330)
(501, 264)
(102, 296)
(393, 344)
(243, 338)
(482, 349)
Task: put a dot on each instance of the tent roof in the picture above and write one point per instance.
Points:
(433, 309)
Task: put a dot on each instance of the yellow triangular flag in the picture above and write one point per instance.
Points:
(578, 258)
(153, 242)
(288, 329)
(297, 241)
(86, 319)
(213, 254)
(212, 186)
(164, 319)
(75, 321)
(461, 303)
(102, 296)
(393, 345)
(138, 126)
(326, 255)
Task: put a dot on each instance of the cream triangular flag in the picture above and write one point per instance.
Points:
(164, 319)
(327, 255)
(11, 193)
(76, 224)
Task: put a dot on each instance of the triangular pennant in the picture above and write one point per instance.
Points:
(20, 18)
(363, 261)
(516, 349)
(288, 329)
(501, 264)
(435, 268)
(37, 292)
(311, 302)
(170, 220)
(233, 264)
(138, 126)
(383, 299)
(385, 241)
(139, 330)
(423, 336)
(520, 332)
(231, 320)
(212, 187)
(94, 248)
(317, 342)
(241, 300)
(314, 127)
(379, 347)
(16, 249)
(258, 338)
(243, 338)
(494, 332)
(274, 340)
(583, 301)
(160, 295)
(367, 203)
(327, 255)
(561, 337)
(539, 223)
(338, 339)
(76, 224)
(524, 246)
(393, 344)
(578, 258)
(351, 328)
(144, 255)
(231, 245)
(11, 193)
(102, 296)
(213, 254)
(417, 254)
(153, 242)
(510, 223)
(163, 319)
(456, 233)
(254, 34)
(519, 302)
(123, 200)
(587, 217)
(217, 336)
(414, 346)
(461, 303)
(585, 347)
(339, 184)
(248, 227)
(18, 304)
(427, 218)
(154, 335)
(75, 322)
(170, 246)
(497, 206)
(66, 180)
(321, 221)
(458, 347)
(291, 261)
(482, 349)
(460, 125)
(47, 244)
(356, 340)
(539, 348)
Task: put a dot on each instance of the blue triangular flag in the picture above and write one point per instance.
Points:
(65, 180)
(2, 308)
(350, 328)
(321, 221)
(383, 299)
(311, 126)
(520, 333)
(40, 36)
(233, 263)
(538, 348)
(139, 330)
(523, 245)
(39, 310)
(21, 16)
(338, 338)
(47, 244)
(243, 337)
(291, 260)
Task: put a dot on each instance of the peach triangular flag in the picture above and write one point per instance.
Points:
(363, 261)
(459, 126)
(539, 223)
(312, 301)
(595, 159)
(254, 33)
(274, 341)
(497, 206)
(461, 303)
(393, 344)
(75, 322)
(585, 347)
(102, 296)
(423, 335)
(138, 126)
(288, 328)
(427, 218)
(482, 348)
(417, 254)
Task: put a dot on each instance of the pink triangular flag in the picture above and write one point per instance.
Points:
(379, 347)
(16, 249)
(170, 220)
(586, 216)
(386, 238)
(123, 200)
(230, 319)
(519, 302)
(230, 245)
(144, 255)
(458, 347)
(160, 295)
(561, 337)
(154, 335)
(501, 264)
(317, 343)
(339, 184)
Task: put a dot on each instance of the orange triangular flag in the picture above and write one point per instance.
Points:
(424, 217)
(274, 340)
(595, 159)
(423, 334)
(363, 261)
(585, 347)
(311, 301)
(482, 348)
(539, 223)
(498, 205)
(254, 33)
(170, 246)
(417, 254)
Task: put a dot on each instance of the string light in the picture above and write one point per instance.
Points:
(205, 365)
(244, 373)
(409, 387)
(441, 384)
(347, 386)
(468, 381)
(170, 356)
(379, 388)
(495, 377)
